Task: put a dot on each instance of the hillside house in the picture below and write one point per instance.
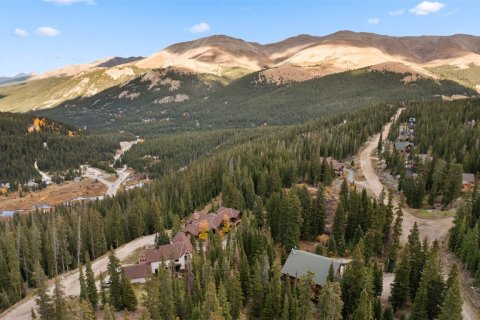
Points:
(173, 256)
(468, 181)
(336, 166)
(299, 263)
(138, 273)
(206, 222)
(404, 146)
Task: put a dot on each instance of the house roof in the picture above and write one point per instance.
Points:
(335, 164)
(137, 271)
(170, 251)
(214, 220)
(468, 178)
(401, 145)
(300, 262)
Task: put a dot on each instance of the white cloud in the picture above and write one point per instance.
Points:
(199, 28)
(426, 7)
(20, 32)
(373, 21)
(397, 12)
(47, 32)
(67, 2)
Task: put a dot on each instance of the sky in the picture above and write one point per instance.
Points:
(41, 35)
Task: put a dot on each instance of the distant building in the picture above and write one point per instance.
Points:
(45, 208)
(300, 263)
(468, 181)
(6, 213)
(404, 146)
(336, 166)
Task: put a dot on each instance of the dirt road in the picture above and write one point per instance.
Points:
(122, 174)
(22, 310)
(433, 229)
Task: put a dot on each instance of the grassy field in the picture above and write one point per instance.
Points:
(427, 214)
(469, 77)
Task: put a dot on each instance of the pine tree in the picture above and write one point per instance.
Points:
(330, 302)
(401, 283)
(108, 313)
(59, 302)
(103, 293)
(90, 282)
(338, 229)
(235, 294)
(258, 292)
(43, 300)
(167, 306)
(377, 277)
(388, 313)
(452, 303)
(128, 295)
(353, 281)
(211, 308)
(223, 301)
(364, 309)
(116, 288)
(83, 284)
(417, 259)
(331, 273)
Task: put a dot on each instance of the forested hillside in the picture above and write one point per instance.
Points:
(56, 147)
(249, 176)
(446, 138)
(250, 101)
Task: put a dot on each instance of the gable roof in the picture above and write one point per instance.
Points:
(180, 244)
(335, 164)
(137, 271)
(214, 220)
(401, 145)
(300, 262)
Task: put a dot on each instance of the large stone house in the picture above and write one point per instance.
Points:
(211, 221)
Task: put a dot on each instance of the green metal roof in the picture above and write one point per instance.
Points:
(299, 263)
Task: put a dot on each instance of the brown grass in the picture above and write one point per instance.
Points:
(52, 195)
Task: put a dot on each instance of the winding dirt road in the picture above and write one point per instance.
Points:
(22, 310)
(433, 229)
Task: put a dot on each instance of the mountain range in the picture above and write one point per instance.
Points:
(295, 59)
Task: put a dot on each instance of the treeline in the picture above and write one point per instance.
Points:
(464, 238)
(242, 174)
(57, 148)
(446, 137)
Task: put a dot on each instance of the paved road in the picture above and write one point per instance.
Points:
(22, 310)
(433, 229)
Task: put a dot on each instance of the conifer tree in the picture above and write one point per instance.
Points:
(388, 313)
(318, 211)
(116, 288)
(108, 313)
(92, 293)
(167, 306)
(83, 283)
(223, 301)
(59, 303)
(46, 310)
(364, 309)
(401, 283)
(452, 303)
(331, 273)
(128, 295)
(330, 302)
(235, 294)
(417, 259)
(377, 277)
(353, 281)
(338, 228)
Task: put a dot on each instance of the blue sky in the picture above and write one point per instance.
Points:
(39, 35)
